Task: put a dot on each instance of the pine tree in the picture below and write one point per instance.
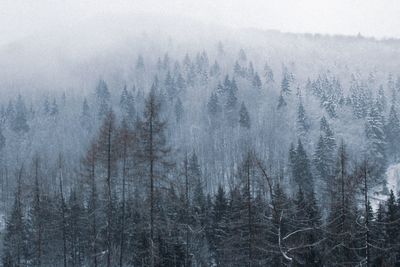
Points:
(153, 156)
(213, 105)
(374, 131)
(169, 86)
(215, 69)
(140, 63)
(179, 112)
(127, 104)
(15, 238)
(36, 217)
(301, 169)
(268, 74)
(20, 124)
(341, 230)
(392, 132)
(231, 108)
(303, 125)
(54, 108)
(244, 117)
(89, 163)
(107, 150)
(2, 140)
(76, 228)
(306, 232)
(242, 55)
(381, 100)
(103, 98)
(322, 160)
(281, 102)
(328, 136)
(285, 85)
(324, 151)
(220, 224)
(256, 81)
(392, 229)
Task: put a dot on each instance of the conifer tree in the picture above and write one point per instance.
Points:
(281, 102)
(103, 98)
(153, 155)
(231, 108)
(268, 74)
(179, 112)
(301, 169)
(15, 238)
(303, 125)
(244, 117)
(285, 85)
(392, 132)
(374, 131)
(256, 81)
(20, 123)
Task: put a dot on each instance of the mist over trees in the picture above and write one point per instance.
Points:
(223, 153)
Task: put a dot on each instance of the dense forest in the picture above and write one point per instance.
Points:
(232, 154)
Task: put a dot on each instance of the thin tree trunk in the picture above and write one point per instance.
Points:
(94, 228)
(187, 211)
(249, 213)
(109, 208)
(151, 189)
(64, 232)
(367, 254)
(121, 255)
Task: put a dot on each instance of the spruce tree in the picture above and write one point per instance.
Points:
(285, 86)
(301, 169)
(303, 125)
(256, 82)
(374, 131)
(268, 74)
(179, 112)
(15, 238)
(153, 156)
(20, 123)
(244, 117)
(392, 132)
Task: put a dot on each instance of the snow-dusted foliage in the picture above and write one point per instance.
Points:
(200, 147)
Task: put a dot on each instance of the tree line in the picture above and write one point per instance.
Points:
(135, 201)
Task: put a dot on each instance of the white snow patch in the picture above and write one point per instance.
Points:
(393, 178)
(392, 183)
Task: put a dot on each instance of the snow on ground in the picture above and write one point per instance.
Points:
(393, 177)
(392, 183)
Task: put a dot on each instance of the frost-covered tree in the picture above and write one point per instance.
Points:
(268, 74)
(179, 111)
(103, 98)
(392, 132)
(301, 168)
(256, 81)
(230, 107)
(376, 147)
(127, 104)
(244, 117)
(20, 123)
(285, 85)
(303, 125)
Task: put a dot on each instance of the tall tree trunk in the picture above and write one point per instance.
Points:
(63, 217)
(366, 205)
(151, 156)
(187, 210)
(122, 238)
(109, 205)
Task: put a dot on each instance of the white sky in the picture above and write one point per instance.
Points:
(378, 18)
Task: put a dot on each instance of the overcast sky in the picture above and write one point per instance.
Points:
(378, 18)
